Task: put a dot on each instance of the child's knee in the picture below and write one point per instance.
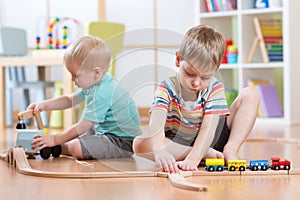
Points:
(74, 149)
(250, 94)
(137, 145)
(141, 145)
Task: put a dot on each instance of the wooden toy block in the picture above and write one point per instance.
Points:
(29, 114)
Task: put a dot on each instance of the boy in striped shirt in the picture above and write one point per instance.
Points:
(190, 119)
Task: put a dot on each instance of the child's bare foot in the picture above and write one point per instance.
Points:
(212, 153)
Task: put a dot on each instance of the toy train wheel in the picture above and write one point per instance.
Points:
(232, 168)
(56, 151)
(242, 168)
(276, 168)
(286, 167)
(264, 168)
(219, 168)
(45, 152)
(210, 169)
(255, 168)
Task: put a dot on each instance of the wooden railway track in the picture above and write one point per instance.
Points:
(17, 158)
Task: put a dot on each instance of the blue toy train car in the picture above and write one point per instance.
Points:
(259, 165)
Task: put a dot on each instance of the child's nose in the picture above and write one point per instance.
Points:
(196, 82)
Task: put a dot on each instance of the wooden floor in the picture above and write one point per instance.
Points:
(14, 185)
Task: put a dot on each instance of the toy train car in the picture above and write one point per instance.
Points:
(218, 164)
(26, 136)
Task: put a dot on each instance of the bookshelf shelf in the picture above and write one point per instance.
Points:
(218, 14)
(238, 25)
(262, 65)
(260, 11)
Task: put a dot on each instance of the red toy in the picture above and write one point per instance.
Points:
(278, 164)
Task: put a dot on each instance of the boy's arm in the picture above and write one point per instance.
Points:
(202, 143)
(73, 132)
(164, 158)
(58, 103)
(41, 140)
(156, 128)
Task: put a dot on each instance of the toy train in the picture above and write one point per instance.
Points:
(218, 164)
(26, 136)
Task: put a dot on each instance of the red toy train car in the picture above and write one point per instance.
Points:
(278, 164)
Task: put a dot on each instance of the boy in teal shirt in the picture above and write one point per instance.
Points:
(110, 117)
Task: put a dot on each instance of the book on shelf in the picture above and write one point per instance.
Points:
(270, 103)
(217, 5)
(220, 5)
(209, 6)
(255, 82)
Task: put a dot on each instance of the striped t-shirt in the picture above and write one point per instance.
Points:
(184, 118)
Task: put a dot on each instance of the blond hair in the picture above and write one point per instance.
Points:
(88, 51)
(202, 44)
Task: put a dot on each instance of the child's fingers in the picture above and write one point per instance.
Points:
(175, 168)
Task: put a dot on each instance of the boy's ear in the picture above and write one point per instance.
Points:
(177, 59)
(98, 71)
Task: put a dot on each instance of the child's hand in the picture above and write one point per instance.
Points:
(36, 107)
(188, 164)
(166, 161)
(41, 141)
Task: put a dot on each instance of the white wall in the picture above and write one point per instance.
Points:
(135, 65)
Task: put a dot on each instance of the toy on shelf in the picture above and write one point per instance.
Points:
(269, 38)
(258, 40)
(38, 43)
(26, 136)
(232, 54)
(57, 33)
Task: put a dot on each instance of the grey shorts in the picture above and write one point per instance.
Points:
(105, 146)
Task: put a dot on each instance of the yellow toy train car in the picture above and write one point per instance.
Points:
(214, 164)
(237, 165)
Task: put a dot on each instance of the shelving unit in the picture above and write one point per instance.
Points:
(238, 26)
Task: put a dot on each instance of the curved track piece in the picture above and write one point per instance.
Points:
(17, 158)
(179, 181)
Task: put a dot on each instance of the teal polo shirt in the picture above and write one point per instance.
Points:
(111, 108)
